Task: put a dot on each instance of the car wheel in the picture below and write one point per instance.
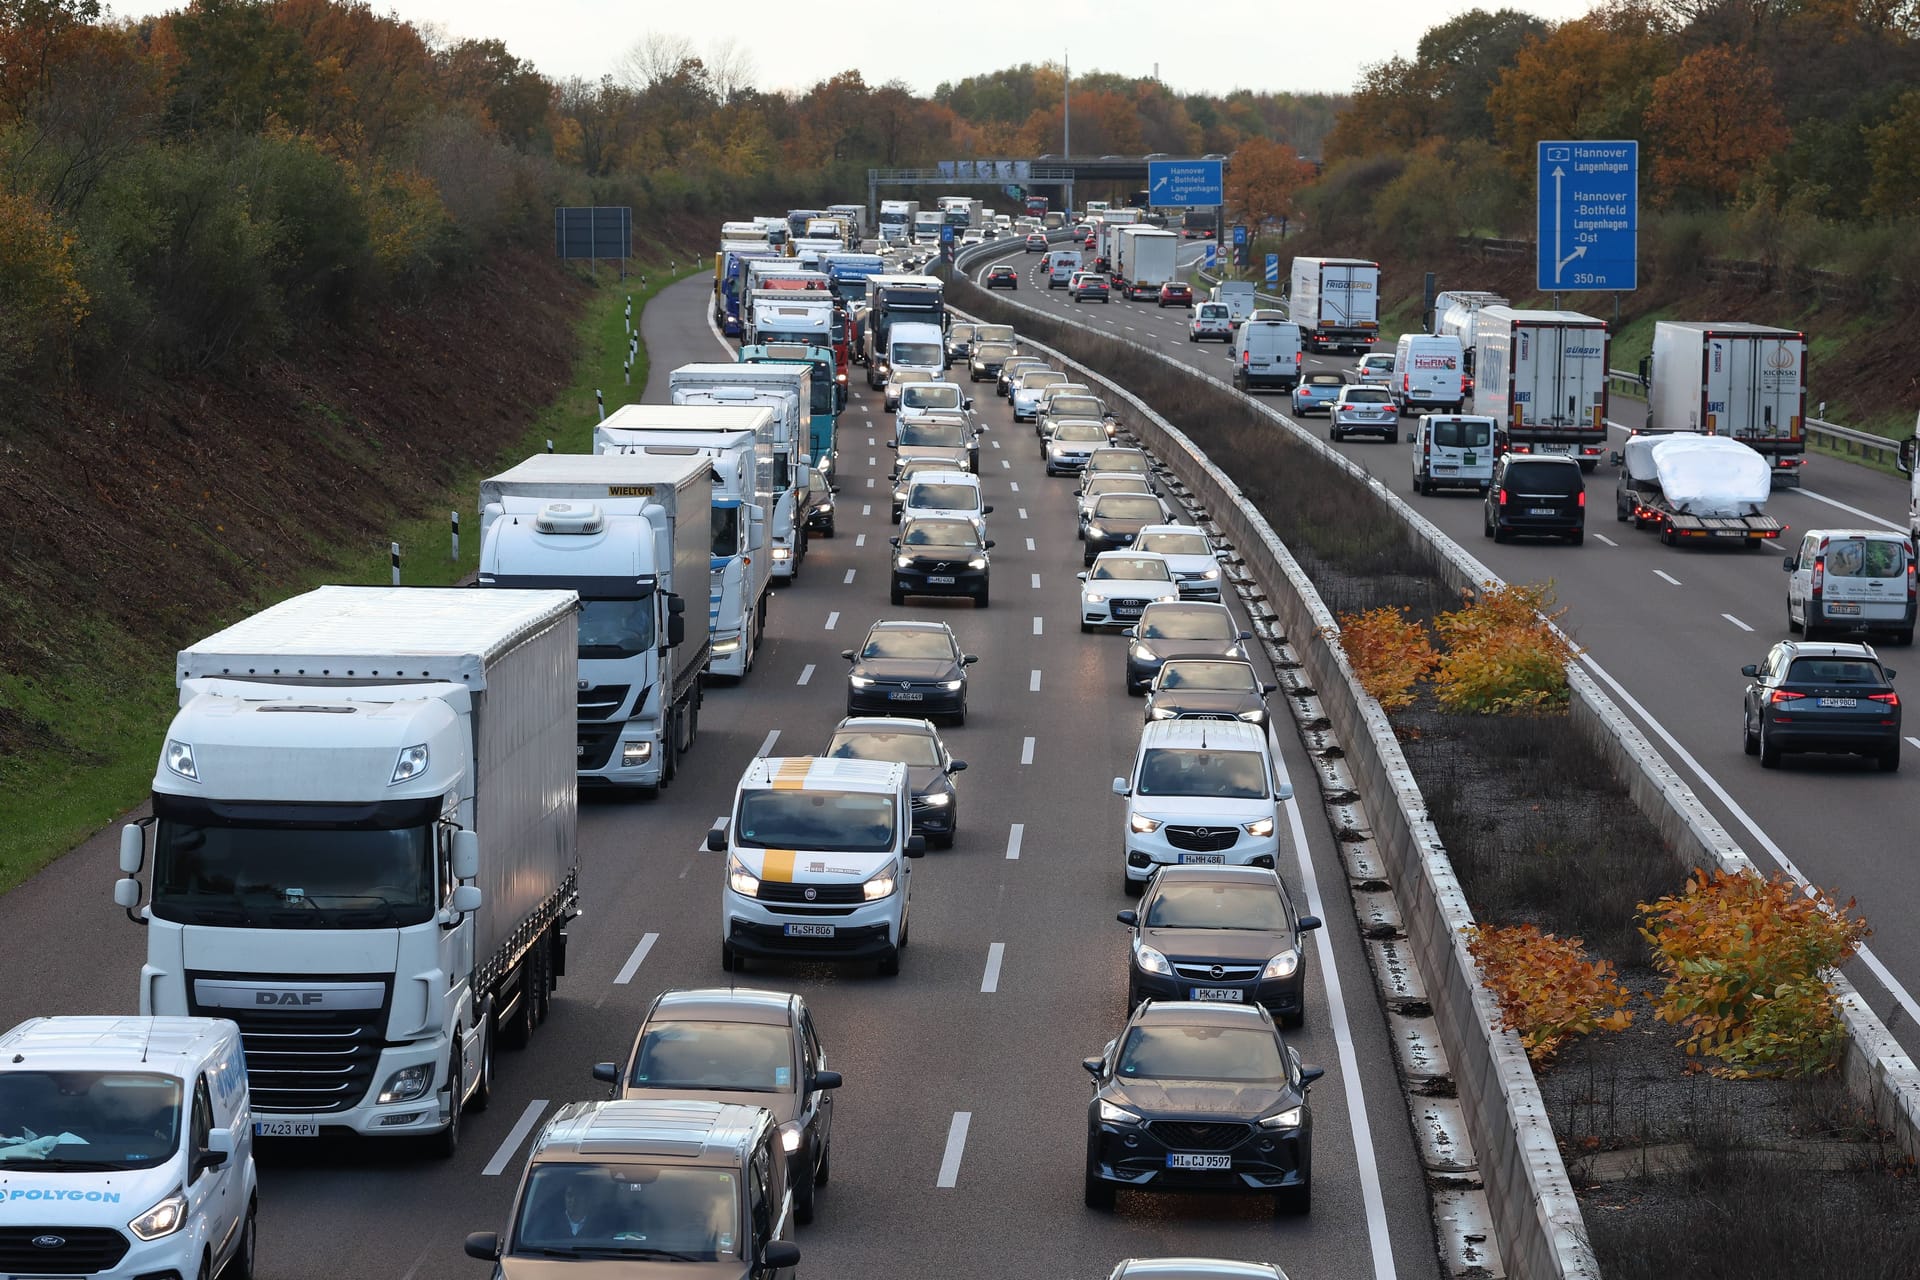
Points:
(1393, 436)
(1295, 1201)
(1486, 526)
(1099, 1193)
(1133, 887)
(825, 1169)
(1890, 761)
(1769, 754)
(1749, 741)
(1085, 628)
(960, 716)
(1575, 539)
(889, 966)
(730, 959)
(1499, 533)
(896, 597)
(942, 841)
(240, 1265)
(1903, 637)
(980, 598)
(803, 1198)
(1334, 434)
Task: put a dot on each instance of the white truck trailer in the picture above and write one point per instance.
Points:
(1336, 303)
(856, 216)
(1543, 376)
(631, 536)
(1725, 378)
(787, 389)
(1456, 314)
(1145, 261)
(363, 848)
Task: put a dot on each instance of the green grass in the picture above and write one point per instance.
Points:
(113, 706)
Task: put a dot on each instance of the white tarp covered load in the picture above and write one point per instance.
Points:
(1703, 475)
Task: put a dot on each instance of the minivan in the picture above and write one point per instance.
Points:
(1452, 451)
(1201, 792)
(1266, 353)
(1428, 373)
(1536, 494)
(1061, 264)
(1843, 580)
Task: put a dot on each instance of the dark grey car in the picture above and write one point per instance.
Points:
(930, 770)
(1219, 934)
(1207, 689)
(912, 668)
(1190, 628)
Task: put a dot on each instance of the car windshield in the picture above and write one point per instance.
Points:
(1240, 1054)
(1865, 558)
(616, 628)
(1006, 272)
(577, 1210)
(1134, 568)
(1075, 406)
(753, 1056)
(1325, 380)
(960, 333)
(1175, 544)
(1366, 395)
(1100, 485)
(1120, 460)
(917, 354)
(942, 496)
(1196, 771)
(994, 332)
(986, 352)
(931, 396)
(1462, 435)
(935, 435)
(1128, 506)
(845, 821)
(877, 744)
(908, 643)
(1375, 364)
(1040, 378)
(1216, 906)
(1214, 311)
(1079, 431)
(1231, 677)
(939, 533)
(1185, 622)
(108, 1120)
(1834, 671)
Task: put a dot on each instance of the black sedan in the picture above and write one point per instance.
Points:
(1003, 278)
(1821, 697)
(1219, 935)
(959, 343)
(1190, 628)
(1200, 1097)
(913, 667)
(937, 556)
(1207, 689)
(984, 364)
(930, 770)
(1116, 518)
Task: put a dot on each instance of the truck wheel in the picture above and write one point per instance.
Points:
(1903, 637)
(447, 1141)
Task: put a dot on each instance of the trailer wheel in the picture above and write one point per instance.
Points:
(542, 978)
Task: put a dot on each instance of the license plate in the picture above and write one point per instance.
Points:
(1204, 859)
(810, 930)
(1224, 995)
(909, 695)
(1540, 511)
(286, 1129)
(579, 748)
(1836, 610)
(1441, 467)
(940, 580)
(1194, 1160)
(1842, 703)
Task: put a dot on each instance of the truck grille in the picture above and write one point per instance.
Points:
(1189, 1135)
(602, 701)
(596, 744)
(82, 1250)
(1203, 839)
(824, 894)
(306, 1060)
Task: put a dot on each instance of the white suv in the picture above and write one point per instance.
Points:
(1201, 791)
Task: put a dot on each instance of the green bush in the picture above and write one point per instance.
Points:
(317, 222)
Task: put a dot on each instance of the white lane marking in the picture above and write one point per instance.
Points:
(1033, 681)
(515, 1136)
(869, 482)
(1736, 622)
(1023, 516)
(860, 540)
(833, 620)
(849, 577)
(870, 443)
(1774, 851)
(866, 509)
(1662, 573)
(766, 745)
(719, 823)
(632, 966)
(1914, 741)
(873, 462)
(1036, 625)
(1036, 582)
(1853, 511)
(1026, 751)
(956, 1144)
(990, 980)
(1604, 538)
(1014, 485)
(1014, 836)
(1370, 1192)
(806, 674)
(1130, 329)
(1030, 546)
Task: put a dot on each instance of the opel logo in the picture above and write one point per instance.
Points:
(1217, 972)
(810, 893)
(1203, 832)
(49, 1242)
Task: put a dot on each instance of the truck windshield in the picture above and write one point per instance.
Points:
(576, 1210)
(726, 531)
(77, 1120)
(291, 875)
(847, 821)
(616, 628)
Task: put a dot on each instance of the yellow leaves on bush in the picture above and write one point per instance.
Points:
(406, 219)
(1548, 989)
(42, 301)
(1389, 652)
(1744, 960)
(1503, 653)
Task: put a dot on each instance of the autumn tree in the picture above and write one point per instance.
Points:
(236, 68)
(1590, 78)
(1712, 121)
(1895, 188)
(1263, 178)
(1462, 59)
(509, 90)
(1393, 109)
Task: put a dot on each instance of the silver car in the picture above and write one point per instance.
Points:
(1026, 393)
(1364, 411)
(1374, 370)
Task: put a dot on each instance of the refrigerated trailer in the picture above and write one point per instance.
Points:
(1723, 378)
(1542, 375)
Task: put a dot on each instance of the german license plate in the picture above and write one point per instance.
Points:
(940, 579)
(1840, 703)
(1224, 995)
(1838, 610)
(1204, 859)
(1540, 511)
(1194, 1160)
(906, 695)
(1444, 466)
(810, 930)
(1126, 611)
(286, 1129)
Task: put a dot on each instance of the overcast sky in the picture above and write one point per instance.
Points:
(1211, 47)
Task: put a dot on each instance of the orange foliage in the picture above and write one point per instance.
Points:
(1264, 177)
(42, 301)
(1389, 651)
(1547, 987)
(1713, 120)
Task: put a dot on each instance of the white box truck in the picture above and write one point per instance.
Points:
(1336, 303)
(1456, 314)
(1146, 261)
(631, 535)
(790, 315)
(1543, 376)
(928, 224)
(1724, 378)
(363, 848)
(896, 220)
(733, 442)
(856, 216)
(1240, 297)
(787, 389)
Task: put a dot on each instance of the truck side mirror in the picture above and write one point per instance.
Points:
(466, 898)
(1791, 563)
(466, 855)
(133, 848)
(126, 894)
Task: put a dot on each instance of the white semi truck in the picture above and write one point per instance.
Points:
(733, 441)
(1456, 314)
(856, 216)
(1336, 303)
(1144, 261)
(631, 535)
(1724, 378)
(927, 225)
(1542, 375)
(896, 220)
(363, 848)
(787, 389)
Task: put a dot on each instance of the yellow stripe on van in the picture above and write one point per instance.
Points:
(777, 865)
(792, 773)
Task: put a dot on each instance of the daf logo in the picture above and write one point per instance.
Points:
(49, 1242)
(810, 894)
(1216, 972)
(289, 997)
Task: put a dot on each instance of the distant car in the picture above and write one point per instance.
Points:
(1003, 277)
(914, 667)
(1175, 293)
(1058, 404)
(1374, 370)
(1089, 240)
(1189, 232)
(1119, 585)
(1208, 689)
(1316, 392)
(959, 343)
(1089, 286)
(1036, 243)
(1116, 518)
(1068, 444)
(1026, 393)
(1095, 487)
(930, 770)
(984, 364)
(1820, 697)
(1195, 565)
(1363, 411)
(1184, 628)
(1536, 494)
(1219, 935)
(1011, 370)
(973, 236)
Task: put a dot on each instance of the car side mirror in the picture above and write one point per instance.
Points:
(1309, 1074)
(1888, 672)
(1128, 918)
(1751, 669)
(716, 841)
(1120, 787)
(893, 542)
(484, 1245)
(847, 654)
(1246, 635)
(893, 444)
(968, 659)
(1791, 563)
(826, 1080)
(987, 510)
(956, 766)
(1306, 924)
(916, 846)
(1081, 576)
(608, 1072)
(219, 1146)
(988, 545)
(1092, 1065)
(1283, 792)
(1266, 689)
(967, 403)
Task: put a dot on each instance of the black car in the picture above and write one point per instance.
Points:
(1117, 517)
(930, 770)
(941, 556)
(959, 343)
(1089, 288)
(984, 364)
(1200, 1097)
(1190, 628)
(1003, 278)
(1207, 689)
(1821, 697)
(1225, 935)
(758, 1048)
(1536, 494)
(913, 667)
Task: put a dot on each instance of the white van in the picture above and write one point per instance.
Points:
(1201, 791)
(817, 853)
(1266, 353)
(1845, 580)
(1210, 320)
(917, 345)
(1452, 450)
(945, 493)
(1061, 265)
(1429, 372)
(146, 1128)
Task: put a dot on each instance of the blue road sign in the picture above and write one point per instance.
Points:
(1239, 235)
(946, 235)
(1589, 217)
(1192, 184)
(1273, 268)
(1209, 255)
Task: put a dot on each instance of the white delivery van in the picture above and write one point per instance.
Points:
(1266, 353)
(145, 1130)
(1844, 580)
(1211, 320)
(1429, 372)
(917, 345)
(1061, 264)
(817, 852)
(1452, 451)
(1201, 791)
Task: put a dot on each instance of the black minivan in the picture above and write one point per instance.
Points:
(1536, 494)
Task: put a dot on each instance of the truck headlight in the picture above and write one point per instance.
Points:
(179, 758)
(782, 553)
(1143, 826)
(411, 763)
(1151, 961)
(741, 880)
(880, 886)
(406, 1084)
(633, 753)
(723, 647)
(163, 1219)
(1291, 1118)
(1261, 827)
(1284, 965)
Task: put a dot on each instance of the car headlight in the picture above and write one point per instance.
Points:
(1284, 965)
(163, 1219)
(880, 886)
(1256, 716)
(1143, 653)
(953, 686)
(406, 1084)
(938, 800)
(1096, 530)
(903, 562)
(790, 1138)
(978, 562)
(1143, 826)
(741, 880)
(1211, 574)
(860, 682)
(1291, 1118)
(899, 495)
(1163, 713)
(1096, 597)
(1151, 961)
(1110, 1114)
(1264, 827)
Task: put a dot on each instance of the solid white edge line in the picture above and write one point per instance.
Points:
(1736, 622)
(632, 966)
(990, 980)
(956, 1147)
(515, 1136)
(766, 745)
(1015, 834)
(806, 674)
(1026, 751)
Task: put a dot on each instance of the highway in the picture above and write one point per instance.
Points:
(959, 1133)
(1667, 629)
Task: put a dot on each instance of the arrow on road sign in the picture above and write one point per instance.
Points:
(1579, 251)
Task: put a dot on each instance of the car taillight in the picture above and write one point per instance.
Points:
(1503, 497)
(1910, 581)
(1783, 695)
(1891, 699)
(1583, 497)
(1819, 573)
(1406, 382)
(1246, 357)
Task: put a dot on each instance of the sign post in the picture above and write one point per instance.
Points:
(1587, 226)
